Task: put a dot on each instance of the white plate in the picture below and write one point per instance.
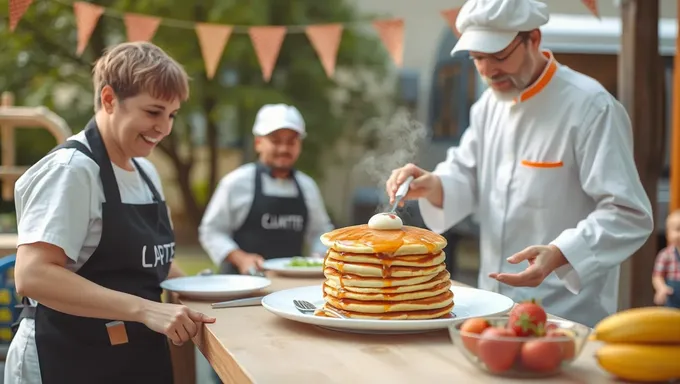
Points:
(281, 267)
(215, 286)
(469, 302)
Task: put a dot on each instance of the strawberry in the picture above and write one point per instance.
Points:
(528, 319)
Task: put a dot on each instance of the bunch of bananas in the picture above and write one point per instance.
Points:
(641, 344)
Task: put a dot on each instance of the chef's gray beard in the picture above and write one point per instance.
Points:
(520, 81)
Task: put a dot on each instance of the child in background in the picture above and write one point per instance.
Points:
(666, 276)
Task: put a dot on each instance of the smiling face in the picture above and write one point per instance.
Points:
(279, 149)
(140, 89)
(510, 71)
(140, 121)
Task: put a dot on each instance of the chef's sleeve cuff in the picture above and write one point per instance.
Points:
(582, 263)
(434, 217)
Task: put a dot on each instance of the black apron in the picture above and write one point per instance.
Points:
(673, 299)
(275, 226)
(133, 256)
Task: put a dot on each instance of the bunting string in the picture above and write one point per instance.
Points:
(266, 39)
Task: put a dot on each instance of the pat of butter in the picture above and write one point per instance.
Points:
(385, 221)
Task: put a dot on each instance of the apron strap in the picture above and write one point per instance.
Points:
(75, 144)
(154, 191)
(94, 137)
(27, 312)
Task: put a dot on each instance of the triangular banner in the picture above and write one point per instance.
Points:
(87, 16)
(17, 8)
(212, 38)
(326, 40)
(592, 7)
(391, 34)
(140, 27)
(450, 15)
(267, 44)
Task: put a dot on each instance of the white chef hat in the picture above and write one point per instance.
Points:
(489, 26)
(272, 117)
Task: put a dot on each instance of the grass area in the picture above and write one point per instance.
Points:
(193, 260)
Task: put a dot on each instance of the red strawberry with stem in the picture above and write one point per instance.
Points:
(528, 319)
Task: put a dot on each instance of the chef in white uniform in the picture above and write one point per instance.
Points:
(266, 209)
(546, 163)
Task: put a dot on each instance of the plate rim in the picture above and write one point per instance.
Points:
(266, 282)
(365, 324)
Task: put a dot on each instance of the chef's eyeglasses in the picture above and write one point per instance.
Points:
(521, 38)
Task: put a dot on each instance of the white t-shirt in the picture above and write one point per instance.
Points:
(59, 200)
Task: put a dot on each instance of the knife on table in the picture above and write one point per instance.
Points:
(248, 302)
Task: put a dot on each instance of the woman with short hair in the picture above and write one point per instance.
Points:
(95, 238)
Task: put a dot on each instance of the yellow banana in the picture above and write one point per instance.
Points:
(640, 362)
(640, 325)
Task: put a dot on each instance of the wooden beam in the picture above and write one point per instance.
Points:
(675, 126)
(641, 90)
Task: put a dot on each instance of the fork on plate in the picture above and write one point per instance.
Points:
(307, 307)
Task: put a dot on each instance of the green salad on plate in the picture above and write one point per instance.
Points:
(299, 261)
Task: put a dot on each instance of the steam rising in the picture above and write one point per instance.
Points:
(397, 142)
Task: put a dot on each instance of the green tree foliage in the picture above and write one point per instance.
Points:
(38, 64)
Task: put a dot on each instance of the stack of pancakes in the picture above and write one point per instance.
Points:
(394, 274)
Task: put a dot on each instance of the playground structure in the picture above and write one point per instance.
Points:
(13, 117)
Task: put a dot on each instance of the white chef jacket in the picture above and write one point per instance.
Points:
(555, 166)
(231, 201)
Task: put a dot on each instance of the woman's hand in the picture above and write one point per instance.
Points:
(177, 322)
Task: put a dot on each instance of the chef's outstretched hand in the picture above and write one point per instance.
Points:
(424, 184)
(178, 322)
(542, 260)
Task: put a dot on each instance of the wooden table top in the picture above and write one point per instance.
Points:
(252, 345)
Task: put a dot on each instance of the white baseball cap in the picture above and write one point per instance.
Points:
(272, 117)
(489, 26)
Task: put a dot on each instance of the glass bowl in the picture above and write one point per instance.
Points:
(498, 353)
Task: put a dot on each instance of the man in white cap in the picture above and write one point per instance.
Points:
(266, 209)
(547, 164)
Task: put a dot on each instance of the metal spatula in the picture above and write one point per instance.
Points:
(401, 192)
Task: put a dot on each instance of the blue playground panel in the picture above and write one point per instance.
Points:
(8, 298)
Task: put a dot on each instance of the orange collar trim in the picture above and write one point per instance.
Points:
(542, 81)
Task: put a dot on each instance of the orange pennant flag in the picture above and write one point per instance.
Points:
(450, 15)
(87, 16)
(391, 33)
(326, 41)
(140, 27)
(17, 8)
(592, 7)
(212, 39)
(267, 43)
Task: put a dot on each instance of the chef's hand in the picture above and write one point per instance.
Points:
(661, 295)
(244, 261)
(178, 322)
(424, 184)
(542, 261)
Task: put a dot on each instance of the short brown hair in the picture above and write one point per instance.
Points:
(137, 67)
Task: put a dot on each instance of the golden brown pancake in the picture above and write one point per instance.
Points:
(347, 279)
(376, 270)
(389, 274)
(341, 293)
(406, 241)
(442, 277)
(438, 313)
(426, 260)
